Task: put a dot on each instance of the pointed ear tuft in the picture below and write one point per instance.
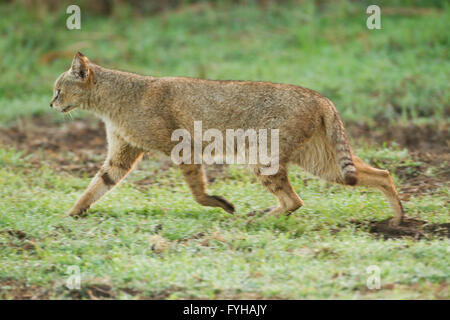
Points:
(80, 66)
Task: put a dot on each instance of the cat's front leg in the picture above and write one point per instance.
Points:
(120, 161)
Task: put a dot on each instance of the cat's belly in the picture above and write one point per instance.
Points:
(150, 134)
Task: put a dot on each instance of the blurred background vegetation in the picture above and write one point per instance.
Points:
(398, 73)
(149, 238)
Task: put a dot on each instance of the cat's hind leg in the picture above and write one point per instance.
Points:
(196, 180)
(278, 184)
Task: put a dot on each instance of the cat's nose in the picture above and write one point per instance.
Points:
(51, 104)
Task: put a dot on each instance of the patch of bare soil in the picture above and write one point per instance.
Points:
(79, 146)
(427, 138)
(411, 228)
(19, 240)
(419, 179)
(17, 290)
(427, 144)
(104, 290)
(437, 290)
(94, 291)
(72, 146)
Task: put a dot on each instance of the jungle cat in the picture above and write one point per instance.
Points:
(141, 112)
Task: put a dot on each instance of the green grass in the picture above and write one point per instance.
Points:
(397, 73)
(315, 253)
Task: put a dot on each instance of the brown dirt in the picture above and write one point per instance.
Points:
(95, 289)
(411, 228)
(434, 139)
(79, 146)
(17, 290)
(69, 147)
(428, 145)
(19, 240)
(416, 181)
(76, 146)
(437, 290)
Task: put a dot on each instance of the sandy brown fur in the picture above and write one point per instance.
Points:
(141, 112)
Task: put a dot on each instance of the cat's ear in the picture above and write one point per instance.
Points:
(80, 66)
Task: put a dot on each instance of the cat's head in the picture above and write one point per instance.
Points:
(73, 87)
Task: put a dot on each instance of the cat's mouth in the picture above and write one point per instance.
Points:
(68, 108)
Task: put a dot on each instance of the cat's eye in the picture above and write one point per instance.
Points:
(57, 93)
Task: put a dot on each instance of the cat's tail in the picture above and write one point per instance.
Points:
(338, 139)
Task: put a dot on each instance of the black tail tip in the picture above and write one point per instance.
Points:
(351, 179)
(228, 207)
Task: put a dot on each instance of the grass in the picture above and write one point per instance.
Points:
(155, 241)
(398, 72)
(204, 252)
